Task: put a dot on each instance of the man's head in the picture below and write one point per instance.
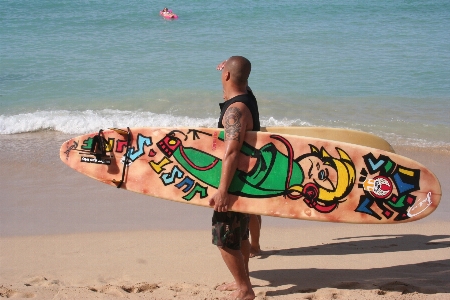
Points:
(235, 75)
(239, 68)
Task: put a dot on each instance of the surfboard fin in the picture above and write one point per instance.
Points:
(120, 131)
(117, 182)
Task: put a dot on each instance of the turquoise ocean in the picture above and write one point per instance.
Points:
(77, 66)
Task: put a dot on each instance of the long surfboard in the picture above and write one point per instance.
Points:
(278, 175)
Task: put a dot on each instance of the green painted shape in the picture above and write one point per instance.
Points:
(269, 176)
(388, 166)
(201, 160)
(87, 144)
(198, 189)
(400, 202)
(267, 179)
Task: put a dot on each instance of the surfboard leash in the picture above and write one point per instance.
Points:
(125, 162)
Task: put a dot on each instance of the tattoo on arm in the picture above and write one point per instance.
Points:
(232, 123)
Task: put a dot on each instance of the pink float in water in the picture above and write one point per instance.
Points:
(168, 14)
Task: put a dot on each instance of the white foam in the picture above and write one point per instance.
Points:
(80, 122)
(271, 121)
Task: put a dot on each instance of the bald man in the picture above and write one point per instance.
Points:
(239, 113)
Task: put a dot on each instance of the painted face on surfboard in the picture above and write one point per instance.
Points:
(317, 172)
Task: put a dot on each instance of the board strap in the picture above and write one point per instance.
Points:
(125, 161)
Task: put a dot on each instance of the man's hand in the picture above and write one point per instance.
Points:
(220, 201)
(221, 65)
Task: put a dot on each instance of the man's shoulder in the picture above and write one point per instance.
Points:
(238, 107)
(240, 113)
(238, 104)
(244, 99)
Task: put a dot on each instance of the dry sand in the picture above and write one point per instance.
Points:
(64, 236)
(409, 261)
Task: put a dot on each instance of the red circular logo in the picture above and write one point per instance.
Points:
(382, 187)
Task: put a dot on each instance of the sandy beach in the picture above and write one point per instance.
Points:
(65, 236)
(69, 68)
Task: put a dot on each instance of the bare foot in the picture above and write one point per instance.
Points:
(242, 295)
(254, 252)
(231, 286)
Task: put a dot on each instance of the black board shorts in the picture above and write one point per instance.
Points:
(229, 229)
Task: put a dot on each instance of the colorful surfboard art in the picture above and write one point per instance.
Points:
(279, 175)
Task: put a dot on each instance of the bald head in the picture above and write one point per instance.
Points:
(239, 68)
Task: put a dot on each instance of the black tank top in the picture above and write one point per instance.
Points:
(250, 101)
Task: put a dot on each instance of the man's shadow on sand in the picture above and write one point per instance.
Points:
(368, 244)
(427, 277)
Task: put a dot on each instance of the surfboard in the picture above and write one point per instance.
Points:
(336, 134)
(278, 175)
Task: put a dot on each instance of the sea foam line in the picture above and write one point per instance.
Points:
(81, 122)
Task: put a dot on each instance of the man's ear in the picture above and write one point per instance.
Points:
(227, 75)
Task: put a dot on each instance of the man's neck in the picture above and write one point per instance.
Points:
(236, 92)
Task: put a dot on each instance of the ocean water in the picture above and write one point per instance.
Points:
(77, 66)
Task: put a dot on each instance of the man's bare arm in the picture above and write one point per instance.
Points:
(232, 123)
(235, 122)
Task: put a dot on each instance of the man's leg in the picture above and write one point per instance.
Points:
(235, 261)
(255, 233)
(245, 250)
